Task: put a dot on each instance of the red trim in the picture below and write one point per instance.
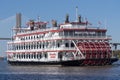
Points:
(62, 29)
(28, 34)
(60, 39)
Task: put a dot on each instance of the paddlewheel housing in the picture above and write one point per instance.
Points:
(96, 53)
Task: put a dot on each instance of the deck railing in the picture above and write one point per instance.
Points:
(44, 49)
(61, 37)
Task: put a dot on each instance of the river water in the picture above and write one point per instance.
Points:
(37, 72)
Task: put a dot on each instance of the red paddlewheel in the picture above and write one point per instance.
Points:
(104, 62)
(90, 62)
(95, 48)
(85, 62)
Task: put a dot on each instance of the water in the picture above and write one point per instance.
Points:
(34, 72)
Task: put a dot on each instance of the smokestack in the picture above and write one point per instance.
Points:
(31, 23)
(18, 21)
(79, 18)
(67, 18)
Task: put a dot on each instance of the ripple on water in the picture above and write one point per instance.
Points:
(8, 72)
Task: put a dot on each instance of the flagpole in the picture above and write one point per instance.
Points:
(105, 24)
(76, 13)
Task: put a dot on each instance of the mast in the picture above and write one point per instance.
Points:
(38, 18)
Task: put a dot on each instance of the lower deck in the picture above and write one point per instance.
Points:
(82, 62)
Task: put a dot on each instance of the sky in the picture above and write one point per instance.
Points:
(107, 12)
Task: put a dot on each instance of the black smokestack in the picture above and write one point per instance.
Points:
(79, 18)
(31, 23)
(67, 18)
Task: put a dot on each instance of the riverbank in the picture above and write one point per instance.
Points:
(1, 58)
(116, 53)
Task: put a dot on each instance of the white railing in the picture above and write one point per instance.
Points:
(43, 49)
(78, 49)
(80, 27)
(22, 31)
(62, 37)
(39, 30)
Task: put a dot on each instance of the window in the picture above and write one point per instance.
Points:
(26, 38)
(27, 55)
(39, 56)
(14, 55)
(72, 45)
(31, 37)
(71, 33)
(24, 55)
(58, 45)
(45, 55)
(29, 46)
(103, 34)
(37, 36)
(24, 46)
(66, 45)
(21, 55)
(37, 45)
(40, 46)
(17, 55)
(66, 33)
(34, 55)
(43, 45)
(32, 46)
(34, 36)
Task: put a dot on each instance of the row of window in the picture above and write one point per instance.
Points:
(80, 33)
(32, 37)
(30, 56)
(37, 46)
(66, 33)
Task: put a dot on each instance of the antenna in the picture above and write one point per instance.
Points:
(105, 24)
(38, 18)
(76, 13)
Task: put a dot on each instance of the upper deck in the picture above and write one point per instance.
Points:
(78, 30)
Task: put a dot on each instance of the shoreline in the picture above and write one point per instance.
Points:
(1, 58)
